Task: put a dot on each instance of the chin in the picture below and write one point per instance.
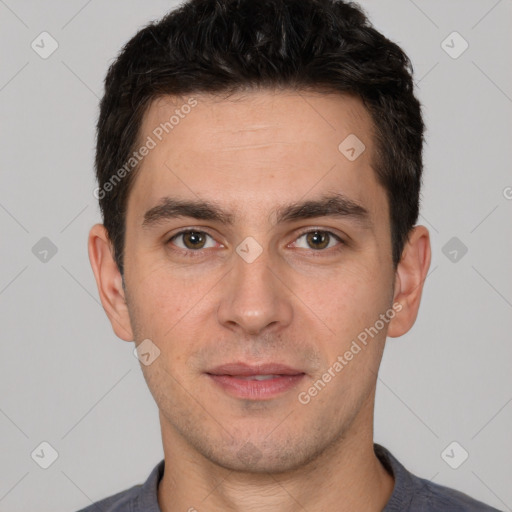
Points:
(263, 457)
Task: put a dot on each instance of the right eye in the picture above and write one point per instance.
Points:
(192, 240)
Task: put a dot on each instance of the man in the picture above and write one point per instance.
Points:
(259, 167)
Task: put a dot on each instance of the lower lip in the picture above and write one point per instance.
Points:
(256, 389)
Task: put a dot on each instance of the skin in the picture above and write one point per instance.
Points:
(295, 304)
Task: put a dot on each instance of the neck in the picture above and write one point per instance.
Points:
(346, 476)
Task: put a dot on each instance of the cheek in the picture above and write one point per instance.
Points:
(349, 299)
(155, 306)
(174, 312)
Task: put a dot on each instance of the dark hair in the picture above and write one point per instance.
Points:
(217, 46)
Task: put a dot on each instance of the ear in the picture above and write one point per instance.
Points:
(109, 282)
(409, 279)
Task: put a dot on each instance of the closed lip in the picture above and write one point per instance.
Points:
(240, 369)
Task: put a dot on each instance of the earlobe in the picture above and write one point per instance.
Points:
(410, 277)
(109, 282)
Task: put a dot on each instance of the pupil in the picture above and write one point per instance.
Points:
(316, 238)
(193, 239)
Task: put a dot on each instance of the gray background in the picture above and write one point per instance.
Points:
(67, 380)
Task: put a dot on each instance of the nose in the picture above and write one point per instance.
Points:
(254, 299)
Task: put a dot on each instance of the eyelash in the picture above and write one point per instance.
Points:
(197, 253)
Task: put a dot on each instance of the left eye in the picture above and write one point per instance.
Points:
(318, 240)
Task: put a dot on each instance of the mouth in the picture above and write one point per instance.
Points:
(255, 382)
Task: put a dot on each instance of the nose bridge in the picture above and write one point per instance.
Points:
(254, 299)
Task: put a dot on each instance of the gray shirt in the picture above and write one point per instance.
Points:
(410, 493)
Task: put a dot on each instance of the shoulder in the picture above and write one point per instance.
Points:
(432, 497)
(412, 493)
(139, 498)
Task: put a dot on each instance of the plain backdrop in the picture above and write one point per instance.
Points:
(68, 381)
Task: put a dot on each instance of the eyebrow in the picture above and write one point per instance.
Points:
(331, 205)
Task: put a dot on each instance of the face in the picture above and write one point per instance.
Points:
(257, 252)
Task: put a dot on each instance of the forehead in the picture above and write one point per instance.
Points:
(256, 150)
(256, 115)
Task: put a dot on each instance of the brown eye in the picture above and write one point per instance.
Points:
(193, 240)
(318, 240)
